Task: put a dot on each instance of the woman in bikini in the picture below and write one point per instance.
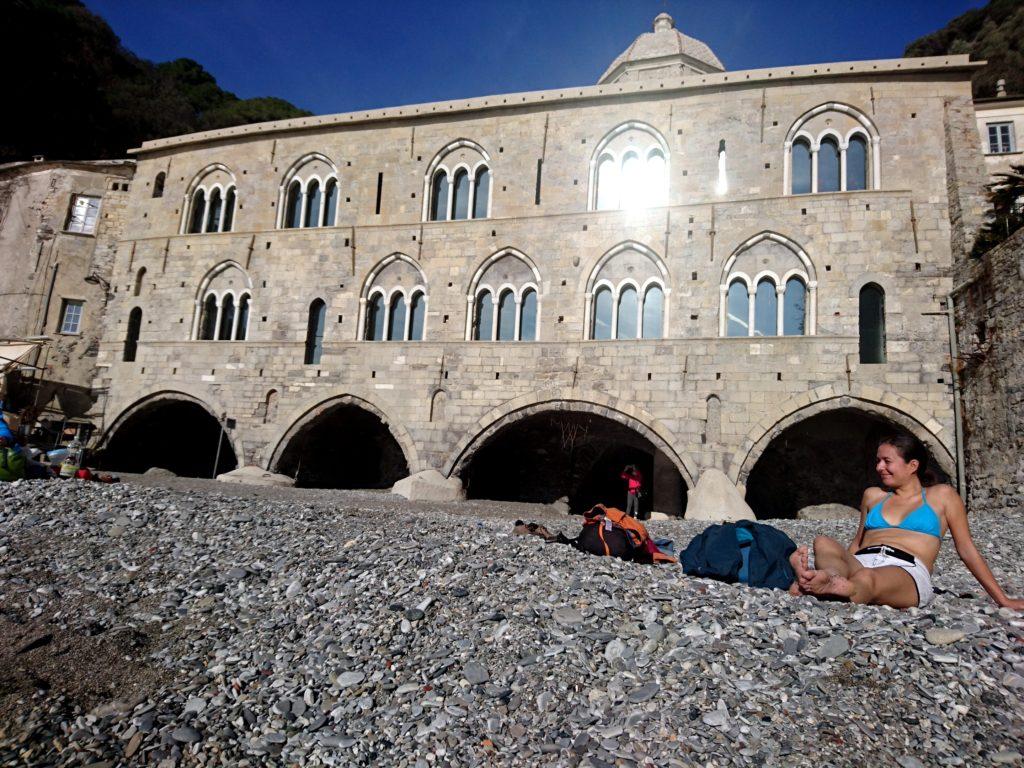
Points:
(890, 560)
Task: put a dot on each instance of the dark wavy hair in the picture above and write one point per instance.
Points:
(911, 449)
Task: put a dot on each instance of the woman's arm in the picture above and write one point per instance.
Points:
(956, 519)
(865, 505)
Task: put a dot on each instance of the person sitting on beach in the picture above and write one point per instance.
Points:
(890, 560)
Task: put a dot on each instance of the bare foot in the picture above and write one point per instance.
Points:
(794, 589)
(815, 582)
(798, 560)
(838, 586)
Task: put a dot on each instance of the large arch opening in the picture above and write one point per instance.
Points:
(545, 456)
(828, 458)
(172, 433)
(343, 446)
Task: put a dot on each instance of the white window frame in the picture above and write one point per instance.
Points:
(65, 314)
(81, 223)
(1011, 138)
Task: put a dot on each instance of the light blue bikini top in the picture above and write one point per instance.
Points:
(924, 519)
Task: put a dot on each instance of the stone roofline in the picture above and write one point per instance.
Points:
(695, 82)
(119, 166)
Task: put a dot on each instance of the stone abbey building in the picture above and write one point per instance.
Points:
(681, 267)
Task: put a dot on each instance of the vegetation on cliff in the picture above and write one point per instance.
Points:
(75, 92)
(994, 34)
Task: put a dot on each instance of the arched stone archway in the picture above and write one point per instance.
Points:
(171, 430)
(825, 457)
(887, 405)
(344, 442)
(546, 450)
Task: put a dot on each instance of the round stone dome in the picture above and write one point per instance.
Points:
(662, 53)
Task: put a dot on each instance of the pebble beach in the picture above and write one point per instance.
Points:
(188, 623)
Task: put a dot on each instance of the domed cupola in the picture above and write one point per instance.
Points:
(665, 52)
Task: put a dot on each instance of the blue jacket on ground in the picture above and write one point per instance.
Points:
(715, 554)
(5, 431)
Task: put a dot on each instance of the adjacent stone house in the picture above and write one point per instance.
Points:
(681, 267)
(60, 223)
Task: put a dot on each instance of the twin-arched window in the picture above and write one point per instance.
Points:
(311, 202)
(629, 169)
(636, 180)
(463, 193)
(310, 193)
(768, 288)
(512, 316)
(395, 317)
(832, 148)
(767, 307)
(628, 311)
(830, 165)
(212, 209)
(225, 316)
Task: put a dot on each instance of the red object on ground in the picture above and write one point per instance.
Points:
(83, 474)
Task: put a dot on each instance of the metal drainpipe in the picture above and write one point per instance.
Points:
(961, 475)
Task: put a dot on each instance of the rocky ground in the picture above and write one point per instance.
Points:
(198, 624)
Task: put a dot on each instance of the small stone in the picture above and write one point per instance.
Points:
(414, 614)
(1006, 757)
(909, 761)
(293, 589)
(476, 673)
(133, 745)
(568, 616)
(1012, 680)
(348, 679)
(644, 693)
(836, 645)
(236, 574)
(195, 705)
(940, 636)
(275, 738)
(186, 735)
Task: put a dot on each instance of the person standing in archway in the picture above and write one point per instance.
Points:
(634, 487)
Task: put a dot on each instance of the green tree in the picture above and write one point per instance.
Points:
(73, 91)
(994, 34)
(1006, 215)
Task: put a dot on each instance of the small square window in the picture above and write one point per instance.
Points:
(71, 316)
(1001, 138)
(85, 210)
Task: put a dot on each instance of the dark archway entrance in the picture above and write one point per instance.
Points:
(545, 456)
(344, 447)
(827, 458)
(175, 434)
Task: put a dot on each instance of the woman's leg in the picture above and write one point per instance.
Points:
(888, 585)
(837, 573)
(831, 559)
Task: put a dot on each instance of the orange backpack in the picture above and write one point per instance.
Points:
(606, 518)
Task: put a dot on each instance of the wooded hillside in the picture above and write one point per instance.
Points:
(75, 92)
(994, 34)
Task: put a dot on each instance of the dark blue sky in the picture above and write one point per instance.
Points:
(341, 55)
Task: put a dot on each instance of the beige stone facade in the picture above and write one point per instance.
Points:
(693, 398)
(55, 268)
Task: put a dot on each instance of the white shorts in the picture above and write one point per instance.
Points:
(917, 570)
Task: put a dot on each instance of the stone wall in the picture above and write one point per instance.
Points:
(42, 265)
(990, 323)
(896, 234)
